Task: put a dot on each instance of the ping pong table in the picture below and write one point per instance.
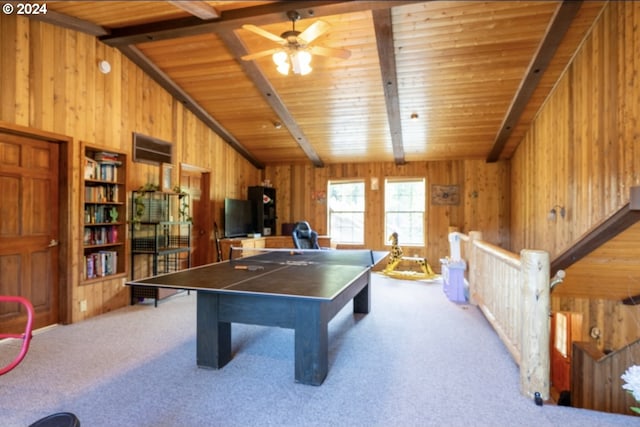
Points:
(300, 290)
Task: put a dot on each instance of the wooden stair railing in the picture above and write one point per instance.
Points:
(595, 377)
(624, 218)
(633, 300)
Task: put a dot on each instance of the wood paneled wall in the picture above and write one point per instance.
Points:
(582, 150)
(582, 153)
(484, 199)
(595, 378)
(53, 84)
(50, 81)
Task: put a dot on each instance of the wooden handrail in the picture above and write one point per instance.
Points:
(605, 231)
(503, 255)
(632, 300)
(595, 377)
(513, 293)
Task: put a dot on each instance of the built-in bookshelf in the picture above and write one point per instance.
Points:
(104, 216)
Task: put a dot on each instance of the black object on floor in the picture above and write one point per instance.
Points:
(61, 419)
(537, 398)
(565, 398)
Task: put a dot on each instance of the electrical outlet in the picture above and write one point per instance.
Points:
(83, 305)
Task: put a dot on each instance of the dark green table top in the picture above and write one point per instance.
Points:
(317, 274)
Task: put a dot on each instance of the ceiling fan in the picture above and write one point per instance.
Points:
(295, 47)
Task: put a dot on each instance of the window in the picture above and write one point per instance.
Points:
(404, 205)
(346, 211)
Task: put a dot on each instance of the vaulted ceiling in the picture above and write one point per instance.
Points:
(472, 74)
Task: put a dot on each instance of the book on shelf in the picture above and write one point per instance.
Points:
(101, 194)
(87, 237)
(99, 214)
(100, 235)
(90, 168)
(100, 264)
(104, 156)
(108, 171)
(104, 170)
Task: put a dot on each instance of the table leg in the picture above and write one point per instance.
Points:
(311, 342)
(213, 337)
(362, 301)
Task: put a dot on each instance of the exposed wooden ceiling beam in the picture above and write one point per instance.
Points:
(556, 30)
(237, 47)
(200, 9)
(170, 86)
(66, 21)
(125, 38)
(257, 15)
(156, 74)
(387, 58)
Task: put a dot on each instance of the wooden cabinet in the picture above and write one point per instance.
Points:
(264, 201)
(287, 242)
(269, 242)
(244, 243)
(103, 201)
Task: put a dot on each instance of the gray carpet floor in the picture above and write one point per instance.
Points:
(416, 360)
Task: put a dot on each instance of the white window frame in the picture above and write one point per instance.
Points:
(418, 214)
(337, 237)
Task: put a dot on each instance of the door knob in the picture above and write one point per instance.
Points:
(53, 243)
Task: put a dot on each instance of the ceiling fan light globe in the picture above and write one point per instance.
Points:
(283, 69)
(304, 57)
(305, 69)
(280, 58)
(301, 60)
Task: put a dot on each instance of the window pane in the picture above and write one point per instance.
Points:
(347, 196)
(404, 210)
(405, 196)
(348, 227)
(346, 212)
(408, 225)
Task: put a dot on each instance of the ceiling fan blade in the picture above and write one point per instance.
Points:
(329, 51)
(259, 31)
(314, 31)
(257, 55)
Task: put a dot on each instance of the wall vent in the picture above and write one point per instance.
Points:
(147, 149)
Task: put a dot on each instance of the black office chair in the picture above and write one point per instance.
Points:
(304, 237)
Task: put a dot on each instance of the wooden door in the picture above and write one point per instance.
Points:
(29, 213)
(566, 328)
(196, 183)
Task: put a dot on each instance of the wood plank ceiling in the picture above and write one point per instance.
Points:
(474, 73)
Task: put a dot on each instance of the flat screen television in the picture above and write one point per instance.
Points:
(238, 217)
